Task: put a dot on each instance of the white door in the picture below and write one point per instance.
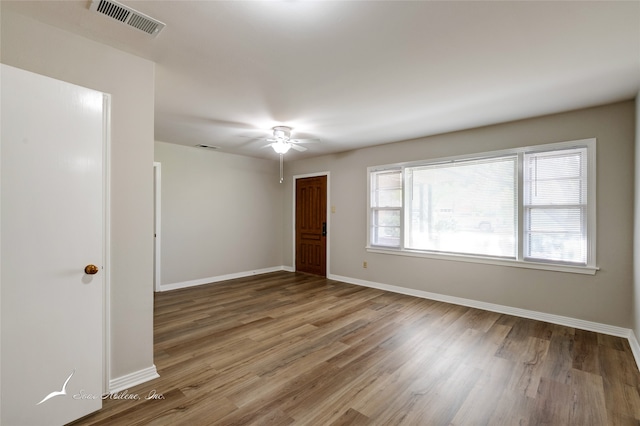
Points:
(52, 226)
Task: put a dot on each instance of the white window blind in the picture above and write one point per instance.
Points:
(555, 206)
(386, 208)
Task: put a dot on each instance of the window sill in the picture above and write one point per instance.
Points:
(585, 270)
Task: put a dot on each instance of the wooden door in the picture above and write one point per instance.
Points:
(311, 225)
(52, 227)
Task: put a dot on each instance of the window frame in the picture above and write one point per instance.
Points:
(519, 261)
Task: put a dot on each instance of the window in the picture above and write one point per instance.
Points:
(555, 206)
(532, 206)
(386, 208)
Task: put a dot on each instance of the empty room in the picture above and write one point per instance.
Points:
(319, 212)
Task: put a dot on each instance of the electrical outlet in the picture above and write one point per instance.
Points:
(364, 264)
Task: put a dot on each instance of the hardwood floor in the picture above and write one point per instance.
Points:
(287, 348)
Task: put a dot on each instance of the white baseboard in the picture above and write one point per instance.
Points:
(635, 347)
(201, 281)
(132, 379)
(524, 313)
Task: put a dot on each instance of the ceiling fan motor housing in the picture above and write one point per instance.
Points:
(282, 132)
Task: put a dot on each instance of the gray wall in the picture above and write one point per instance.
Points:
(45, 50)
(221, 214)
(603, 298)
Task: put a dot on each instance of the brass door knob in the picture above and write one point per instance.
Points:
(91, 269)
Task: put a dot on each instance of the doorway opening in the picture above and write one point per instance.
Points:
(157, 173)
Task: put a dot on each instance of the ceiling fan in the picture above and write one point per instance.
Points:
(281, 142)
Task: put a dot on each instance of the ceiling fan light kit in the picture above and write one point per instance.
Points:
(281, 147)
(282, 142)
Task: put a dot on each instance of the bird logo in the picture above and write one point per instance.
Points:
(63, 391)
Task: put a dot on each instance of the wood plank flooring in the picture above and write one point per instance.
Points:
(287, 348)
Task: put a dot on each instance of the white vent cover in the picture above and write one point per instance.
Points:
(127, 15)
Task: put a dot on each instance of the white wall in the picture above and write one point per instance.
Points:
(31, 45)
(221, 215)
(603, 298)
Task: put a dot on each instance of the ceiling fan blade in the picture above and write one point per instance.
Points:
(305, 141)
(266, 146)
(298, 148)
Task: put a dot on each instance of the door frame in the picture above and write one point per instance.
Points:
(293, 224)
(106, 313)
(157, 178)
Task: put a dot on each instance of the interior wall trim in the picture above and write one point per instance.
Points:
(635, 347)
(218, 278)
(130, 380)
(502, 309)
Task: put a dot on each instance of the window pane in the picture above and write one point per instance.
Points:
(567, 220)
(557, 164)
(556, 234)
(386, 218)
(389, 198)
(566, 191)
(464, 207)
(386, 189)
(557, 247)
(557, 177)
(386, 228)
(389, 179)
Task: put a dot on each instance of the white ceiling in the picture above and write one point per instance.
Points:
(361, 73)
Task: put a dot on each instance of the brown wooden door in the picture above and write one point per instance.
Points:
(311, 222)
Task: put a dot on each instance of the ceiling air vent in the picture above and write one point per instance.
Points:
(127, 15)
(207, 146)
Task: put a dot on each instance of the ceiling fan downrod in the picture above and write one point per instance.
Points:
(281, 168)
